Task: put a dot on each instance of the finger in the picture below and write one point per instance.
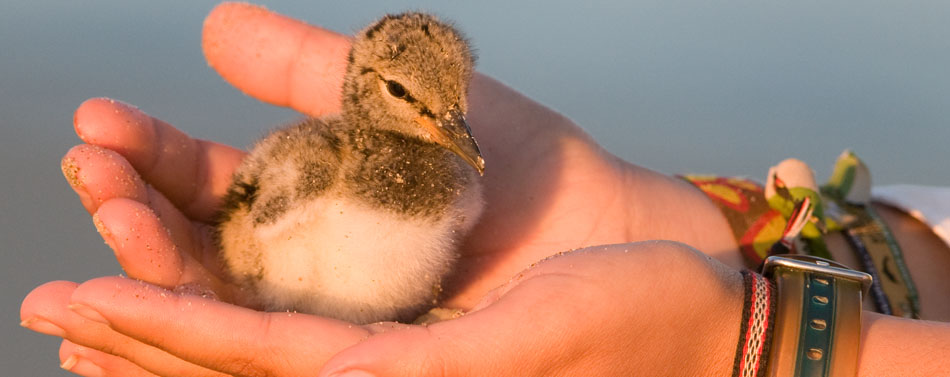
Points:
(195, 240)
(191, 328)
(276, 59)
(160, 234)
(43, 304)
(140, 241)
(45, 310)
(191, 173)
(86, 361)
(489, 342)
(156, 244)
(98, 174)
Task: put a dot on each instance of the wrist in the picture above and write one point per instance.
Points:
(719, 352)
(686, 333)
(894, 346)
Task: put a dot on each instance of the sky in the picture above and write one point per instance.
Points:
(684, 86)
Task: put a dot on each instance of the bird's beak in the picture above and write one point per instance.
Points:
(453, 133)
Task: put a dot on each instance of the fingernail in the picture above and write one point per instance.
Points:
(70, 169)
(103, 231)
(70, 362)
(82, 367)
(353, 373)
(71, 172)
(88, 313)
(43, 326)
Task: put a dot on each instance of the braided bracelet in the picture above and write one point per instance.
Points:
(758, 323)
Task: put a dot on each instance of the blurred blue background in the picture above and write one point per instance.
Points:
(677, 86)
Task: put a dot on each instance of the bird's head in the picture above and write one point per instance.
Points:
(409, 73)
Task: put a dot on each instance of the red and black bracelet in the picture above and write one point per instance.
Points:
(758, 323)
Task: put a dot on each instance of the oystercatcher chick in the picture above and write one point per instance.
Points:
(359, 216)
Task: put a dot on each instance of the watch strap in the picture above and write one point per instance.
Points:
(818, 321)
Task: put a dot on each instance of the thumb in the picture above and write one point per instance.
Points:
(412, 351)
(512, 336)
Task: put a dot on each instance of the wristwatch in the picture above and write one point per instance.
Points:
(818, 317)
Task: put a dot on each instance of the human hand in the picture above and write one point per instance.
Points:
(548, 187)
(607, 310)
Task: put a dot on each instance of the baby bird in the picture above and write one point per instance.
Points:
(359, 216)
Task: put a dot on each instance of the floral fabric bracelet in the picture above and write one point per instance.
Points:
(763, 222)
(758, 323)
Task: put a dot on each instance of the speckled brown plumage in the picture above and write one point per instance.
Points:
(358, 216)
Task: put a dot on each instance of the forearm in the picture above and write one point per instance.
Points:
(663, 207)
(926, 256)
(894, 346)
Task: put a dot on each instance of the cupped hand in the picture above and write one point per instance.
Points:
(154, 191)
(608, 310)
(548, 186)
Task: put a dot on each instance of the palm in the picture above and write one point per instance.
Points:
(545, 188)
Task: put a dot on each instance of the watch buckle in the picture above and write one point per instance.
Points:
(818, 265)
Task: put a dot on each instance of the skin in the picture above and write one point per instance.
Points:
(627, 308)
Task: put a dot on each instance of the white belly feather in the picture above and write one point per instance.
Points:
(340, 258)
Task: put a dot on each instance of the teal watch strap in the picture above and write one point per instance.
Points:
(818, 321)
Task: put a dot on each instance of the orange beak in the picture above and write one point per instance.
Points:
(452, 132)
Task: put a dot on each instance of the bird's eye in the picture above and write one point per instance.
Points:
(395, 89)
